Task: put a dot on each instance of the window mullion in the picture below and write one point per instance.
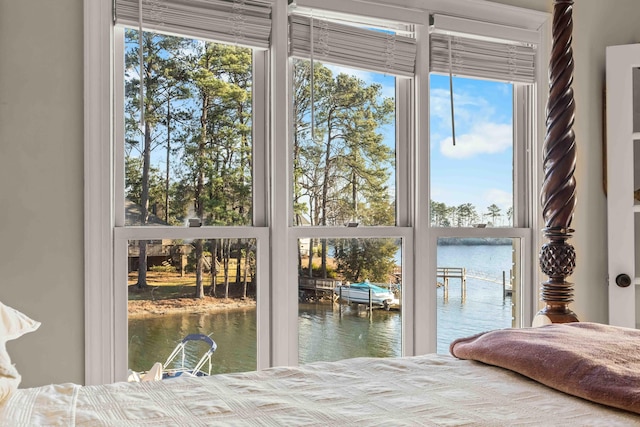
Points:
(521, 136)
(404, 138)
(261, 206)
(189, 233)
(120, 244)
(260, 138)
(284, 295)
(118, 127)
(424, 258)
(120, 309)
(405, 120)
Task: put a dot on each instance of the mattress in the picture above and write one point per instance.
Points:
(430, 390)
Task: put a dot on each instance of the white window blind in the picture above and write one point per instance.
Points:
(352, 46)
(242, 22)
(471, 49)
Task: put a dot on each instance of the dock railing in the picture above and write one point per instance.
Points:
(461, 273)
(317, 287)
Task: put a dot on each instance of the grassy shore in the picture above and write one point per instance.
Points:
(170, 293)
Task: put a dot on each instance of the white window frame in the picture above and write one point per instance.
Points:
(123, 234)
(105, 355)
(523, 211)
(403, 229)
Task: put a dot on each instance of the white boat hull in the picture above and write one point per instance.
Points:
(362, 296)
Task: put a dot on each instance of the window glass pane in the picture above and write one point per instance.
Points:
(179, 300)
(350, 299)
(191, 157)
(471, 181)
(344, 148)
(477, 283)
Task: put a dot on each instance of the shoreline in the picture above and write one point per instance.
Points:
(142, 308)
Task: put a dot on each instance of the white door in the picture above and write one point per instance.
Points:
(623, 178)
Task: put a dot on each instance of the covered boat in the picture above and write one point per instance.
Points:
(366, 293)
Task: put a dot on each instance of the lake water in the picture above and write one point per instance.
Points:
(151, 339)
(332, 331)
(484, 307)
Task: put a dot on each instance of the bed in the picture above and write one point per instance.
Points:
(429, 390)
(560, 382)
(542, 375)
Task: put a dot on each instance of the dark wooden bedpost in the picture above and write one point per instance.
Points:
(558, 195)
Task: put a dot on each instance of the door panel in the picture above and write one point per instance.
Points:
(623, 178)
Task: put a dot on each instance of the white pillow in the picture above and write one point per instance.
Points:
(13, 324)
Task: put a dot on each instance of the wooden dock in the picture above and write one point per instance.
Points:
(447, 273)
(315, 288)
(461, 273)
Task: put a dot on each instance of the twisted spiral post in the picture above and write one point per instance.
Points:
(558, 194)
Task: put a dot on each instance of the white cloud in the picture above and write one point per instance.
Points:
(468, 108)
(501, 198)
(482, 138)
(440, 106)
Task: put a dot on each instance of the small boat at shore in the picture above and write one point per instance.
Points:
(176, 364)
(174, 368)
(366, 293)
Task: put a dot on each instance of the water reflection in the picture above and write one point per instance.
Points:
(327, 331)
(339, 331)
(151, 339)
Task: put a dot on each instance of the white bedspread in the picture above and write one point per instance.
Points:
(431, 390)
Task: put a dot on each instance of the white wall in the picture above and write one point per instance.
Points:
(41, 189)
(41, 171)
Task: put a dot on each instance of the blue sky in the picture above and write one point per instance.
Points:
(479, 168)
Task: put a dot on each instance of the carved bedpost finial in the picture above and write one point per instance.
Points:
(558, 195)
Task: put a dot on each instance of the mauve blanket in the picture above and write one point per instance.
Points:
(593, 361)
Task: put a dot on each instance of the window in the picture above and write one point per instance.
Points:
(286, 199)
(345, 156)
(478, 177)
(187, 214)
